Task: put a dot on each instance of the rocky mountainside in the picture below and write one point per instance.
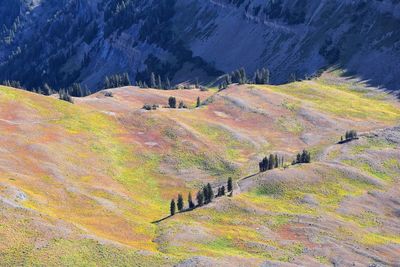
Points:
(82, 41)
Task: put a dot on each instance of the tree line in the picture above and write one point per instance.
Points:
(261, 76)
(271, 162)
(156, 82)
(203, 197)
(117, 80)
(349, 136)
(172, 103)
(304, 157)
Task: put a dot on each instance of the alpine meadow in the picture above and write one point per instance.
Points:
(199, 133)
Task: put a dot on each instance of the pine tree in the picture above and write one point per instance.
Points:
(230, 185)
(180, 202)
(206, 195)
(276, 161)
(47, 89)
(198, 103)
(190, 201)
(200, 198)
(126, 80)
(223, 191)
(107, 83)
(172, 102)
(168, 85)
(210, 192)
(271, 160)
(265, 76)
(159, 83)
(242, 76)
(172, 207)
(153, 80)
(298, 159)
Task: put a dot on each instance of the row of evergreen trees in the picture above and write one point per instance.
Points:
(14, 84)
(203, 197)
(117, 80)
(75, 90)
(156, 82)
(239, 76)
(64, 95)
(304, 157)
(262, 76)
(271, 162)
(351, 135)
(172, 103)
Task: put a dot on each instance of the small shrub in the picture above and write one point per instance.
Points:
(108, 94)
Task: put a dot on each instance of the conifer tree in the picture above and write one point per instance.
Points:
(230, 185)
(180, 203)
(153, 80)
(168, 85)
(271, 160)
(206, 195)
(223, 191)
(210, 193)
(47, 89)
(190, 201)
(159, 82)
(172, 102)
(200, 198)
(242, 76)
(198, 103)
(172, 207)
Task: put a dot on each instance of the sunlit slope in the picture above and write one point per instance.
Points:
(334, 211)
(85, 180)
(78, 165)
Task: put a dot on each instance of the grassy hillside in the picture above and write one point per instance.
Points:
(81, 183)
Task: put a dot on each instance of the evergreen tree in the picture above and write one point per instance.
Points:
(198, 103)
(180, 203)
(265, 76)
(242, 76)
(107, 83)
(276, 161)
(126, 80)
(298, 159)
(210, 193)
(168, 85)
(271, 160)
(159, 82)
(223, 191)
(200, 198)
(172, 207)
(172, 102)
(47, 89)
(153, 80)
(190, 201)
(304, 157)
(206, 195)
(228, 79)
(230, 184)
